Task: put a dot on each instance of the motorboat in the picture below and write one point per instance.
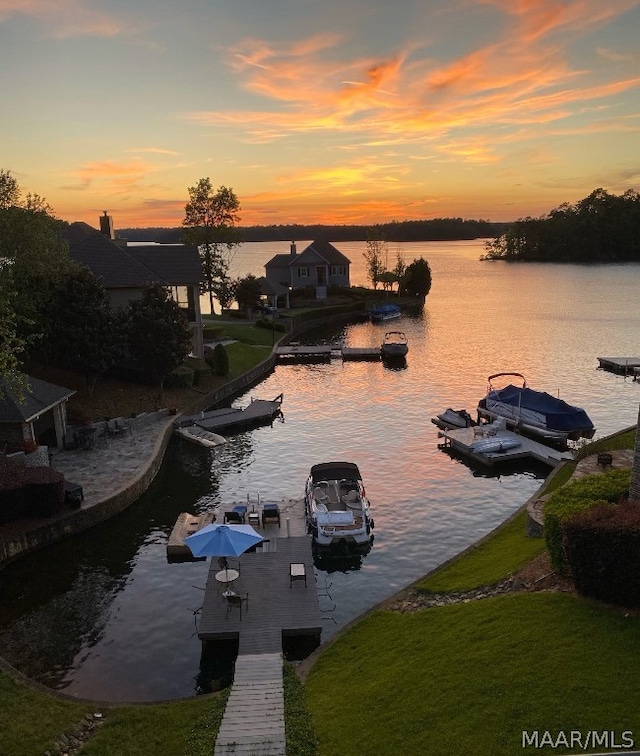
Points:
(336, 506)
(394, 344)
(384, 312)
(451, 418)
(534, 413)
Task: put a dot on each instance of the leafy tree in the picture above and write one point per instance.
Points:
(33, 255)
(248, 292)
(157, 334)
(11, 345)
(210, 221)
(400, 267)
(387, 279)
(376, 248)
(417, 279)
(84, 333)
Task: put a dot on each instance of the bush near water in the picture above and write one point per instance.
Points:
(602, 548)
(574, 498)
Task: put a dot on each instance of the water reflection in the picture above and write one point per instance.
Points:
(103, 615)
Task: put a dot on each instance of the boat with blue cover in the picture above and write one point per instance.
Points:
(384, 312)
(534, 413)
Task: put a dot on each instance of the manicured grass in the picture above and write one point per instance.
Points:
(506, 551)
(187, 727)
(31, 721)
(469, 678)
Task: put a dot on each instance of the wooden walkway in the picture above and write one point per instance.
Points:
(253, 722)
(325, 352)
(256, 412)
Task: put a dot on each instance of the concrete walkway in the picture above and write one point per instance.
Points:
(253, 722)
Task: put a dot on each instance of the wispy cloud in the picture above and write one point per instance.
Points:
(65, 18)
(522, 76)
(110, 176)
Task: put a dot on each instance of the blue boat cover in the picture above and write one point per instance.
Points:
(385, 308)
(560, 415)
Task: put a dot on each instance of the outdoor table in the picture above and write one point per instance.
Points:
(227, 576)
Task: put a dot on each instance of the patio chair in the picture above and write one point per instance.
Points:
(234, 601)
(233, 517)
(270, 513)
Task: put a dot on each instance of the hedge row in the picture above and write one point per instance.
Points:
(29, 492)
(602, 547)
(574, 498)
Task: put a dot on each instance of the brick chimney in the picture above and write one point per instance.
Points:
(294, 251)
(106, 225)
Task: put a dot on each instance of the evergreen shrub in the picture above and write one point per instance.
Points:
(602, 548)
(181, 377)
(218, 360)
(578, 496)
(270, 325)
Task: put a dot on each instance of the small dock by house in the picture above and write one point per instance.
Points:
(461, 440)
(620, 365)
(187, 524)
(257, 412)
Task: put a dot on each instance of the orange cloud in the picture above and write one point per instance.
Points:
(111, 176)
(65, 18)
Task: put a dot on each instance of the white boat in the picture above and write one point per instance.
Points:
(451, 418)
(534, 413)
(394, 344)
(200, 436)
(336, 506)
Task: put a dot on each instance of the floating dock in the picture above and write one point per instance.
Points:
(258, 412)
(186, 525)
(293, 353)
(620, 365)
(277, 607)
(462, 439)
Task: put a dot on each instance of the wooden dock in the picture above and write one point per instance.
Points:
(620, 365)
(258, 411)
(277, 608)
(461, 440)
(325, 352)
(186, 525)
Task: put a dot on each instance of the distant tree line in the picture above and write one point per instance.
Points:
(437, 229)
(601, 228)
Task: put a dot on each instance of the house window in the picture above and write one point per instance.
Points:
(338, 270)
(303, 272)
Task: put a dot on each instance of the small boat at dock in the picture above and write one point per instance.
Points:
(451, 418)
(384, 312)
(394, 345)
(200, 436)
(336, 506)
(534, 413)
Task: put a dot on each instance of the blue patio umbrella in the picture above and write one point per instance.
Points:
(222, 540)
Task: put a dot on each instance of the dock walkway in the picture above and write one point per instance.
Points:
(294, 353)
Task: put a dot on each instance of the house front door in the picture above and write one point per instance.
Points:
(321, 275)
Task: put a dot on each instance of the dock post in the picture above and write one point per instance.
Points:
(288, 528)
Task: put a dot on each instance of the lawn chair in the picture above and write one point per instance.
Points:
(234, 601)
(270, 513)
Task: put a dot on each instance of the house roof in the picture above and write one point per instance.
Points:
(270, 288)
(136, 266)
(39, 396)
(324, 249)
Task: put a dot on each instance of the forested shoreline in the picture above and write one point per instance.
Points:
(601, 228)
(437, 229)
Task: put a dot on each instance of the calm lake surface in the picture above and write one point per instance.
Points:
(104, 615)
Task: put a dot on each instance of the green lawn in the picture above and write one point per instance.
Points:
(470, 678)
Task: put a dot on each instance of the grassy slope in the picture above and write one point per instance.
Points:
(471, 677)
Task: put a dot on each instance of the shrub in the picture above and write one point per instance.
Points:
(576, 497)
(218, 360)
(181, 377)
(270, 324)
(212, 332)
(44, 491)
(602, 547)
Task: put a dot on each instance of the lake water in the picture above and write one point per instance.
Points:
(104, 615)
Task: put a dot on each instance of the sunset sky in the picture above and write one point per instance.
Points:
(349, 111)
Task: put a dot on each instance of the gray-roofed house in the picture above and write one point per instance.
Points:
(125, 269)
(42, 413)
(319, 265)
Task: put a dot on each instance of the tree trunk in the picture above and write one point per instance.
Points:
(634, 489)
